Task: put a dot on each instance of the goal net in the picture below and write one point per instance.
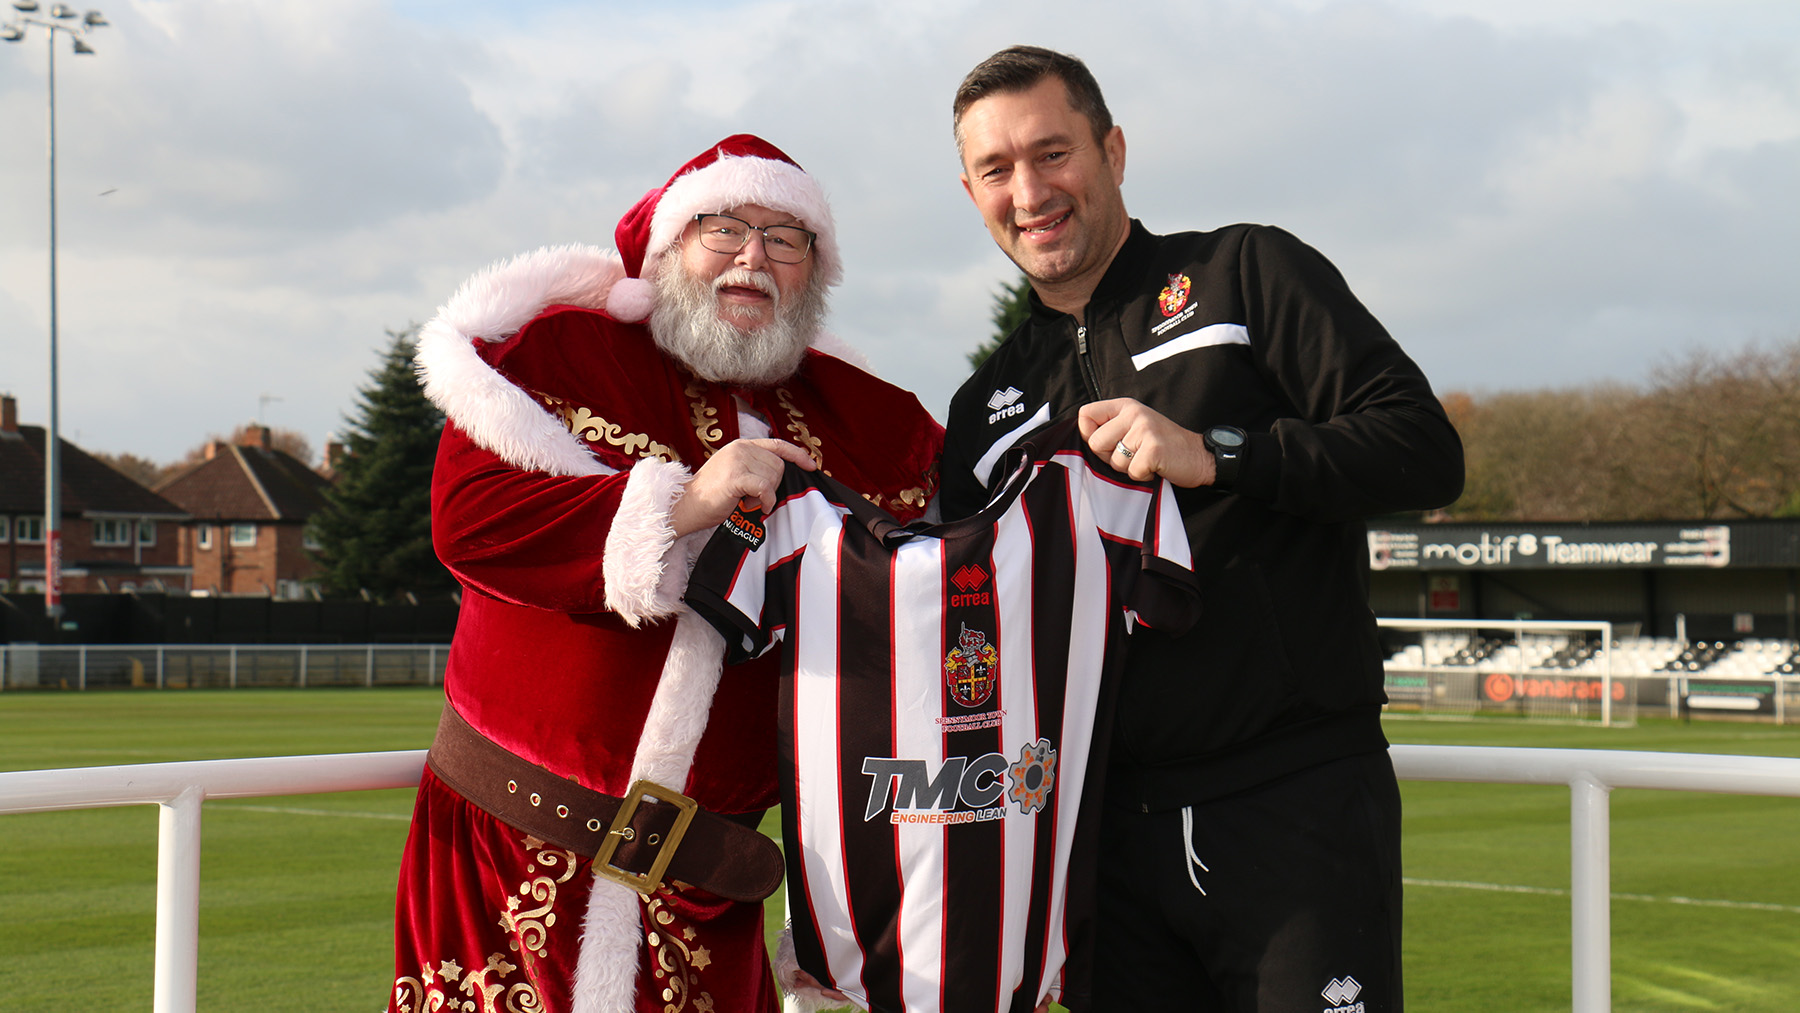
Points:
(1546, 670)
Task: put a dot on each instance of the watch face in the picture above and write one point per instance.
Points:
(1226, 437)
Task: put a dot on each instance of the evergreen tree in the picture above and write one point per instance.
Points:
(1010, 310)
(375, 533)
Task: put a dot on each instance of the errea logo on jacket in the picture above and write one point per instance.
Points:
(1005, 403)
(1342, 993)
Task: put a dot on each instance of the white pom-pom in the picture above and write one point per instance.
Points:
(629, 300)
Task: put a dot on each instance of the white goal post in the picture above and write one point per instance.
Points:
(1546, 668)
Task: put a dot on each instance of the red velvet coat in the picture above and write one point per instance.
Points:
(529, 547)
(569, 438)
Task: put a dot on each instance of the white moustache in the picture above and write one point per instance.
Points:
(743, 277)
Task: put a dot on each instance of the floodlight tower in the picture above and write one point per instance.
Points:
(60, 18)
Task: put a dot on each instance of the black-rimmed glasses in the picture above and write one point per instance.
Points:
(784, 244)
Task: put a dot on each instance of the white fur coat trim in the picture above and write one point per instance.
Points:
(645, 577)
(492, 306)
(645, 565)
(606, 968)
(735, 180)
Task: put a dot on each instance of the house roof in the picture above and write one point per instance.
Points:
(247, 483)
(88, 486)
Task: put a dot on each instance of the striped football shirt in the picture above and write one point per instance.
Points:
(941, 693)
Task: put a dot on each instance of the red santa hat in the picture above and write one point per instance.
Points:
(741, 169)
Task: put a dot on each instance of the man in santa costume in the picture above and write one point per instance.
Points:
(607, 410)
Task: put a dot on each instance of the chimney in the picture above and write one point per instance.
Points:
(9, 414)
(335, 453)
(255, 436)
(216, 447)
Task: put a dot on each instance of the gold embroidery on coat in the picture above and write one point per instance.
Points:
(797, 425)
(914, 497)
(592, 428)
(677, 965)
(430, 991)
(705, 417)
(531, 928)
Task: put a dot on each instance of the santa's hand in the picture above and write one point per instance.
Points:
(1143, 443)
(801, 983)
(744, 471)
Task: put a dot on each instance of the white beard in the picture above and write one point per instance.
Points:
(689, 323)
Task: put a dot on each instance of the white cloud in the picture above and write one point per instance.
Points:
(1530, 193)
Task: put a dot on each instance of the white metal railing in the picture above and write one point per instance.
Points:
(218, 666)
(1590, 774)
(180, 788)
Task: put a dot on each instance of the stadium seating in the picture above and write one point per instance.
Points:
(1579, 654)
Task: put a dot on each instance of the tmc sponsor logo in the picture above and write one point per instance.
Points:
(972, 785)
(960, 786)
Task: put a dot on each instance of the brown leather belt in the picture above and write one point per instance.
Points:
(669, 837)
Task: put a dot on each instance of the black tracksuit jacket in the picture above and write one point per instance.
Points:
(1245, 326)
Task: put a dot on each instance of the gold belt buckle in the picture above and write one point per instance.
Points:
(646, 882)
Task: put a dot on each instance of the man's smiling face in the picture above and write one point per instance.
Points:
(743, 280)
(1047, 189)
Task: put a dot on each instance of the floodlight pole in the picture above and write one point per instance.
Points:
(53, 608)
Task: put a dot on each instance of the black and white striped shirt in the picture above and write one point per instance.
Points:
(941, 693)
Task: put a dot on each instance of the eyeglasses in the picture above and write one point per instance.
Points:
(784, 244)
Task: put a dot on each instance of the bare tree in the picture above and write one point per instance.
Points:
(1709, 437)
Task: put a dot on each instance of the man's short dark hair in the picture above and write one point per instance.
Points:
(1020, 68)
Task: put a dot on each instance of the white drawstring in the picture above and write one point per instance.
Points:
(1187, 842)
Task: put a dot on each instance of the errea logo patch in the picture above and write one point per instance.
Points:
(1341, 994)
(1005, 404)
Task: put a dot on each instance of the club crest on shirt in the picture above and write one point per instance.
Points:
(972, 668)
(1171, 299)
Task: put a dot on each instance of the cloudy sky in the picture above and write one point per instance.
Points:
(1537, 193)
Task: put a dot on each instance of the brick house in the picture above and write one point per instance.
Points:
(248, 505)
(116, 534)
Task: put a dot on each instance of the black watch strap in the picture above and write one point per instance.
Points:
(1228, 444)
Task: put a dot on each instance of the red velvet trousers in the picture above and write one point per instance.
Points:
(488, 920)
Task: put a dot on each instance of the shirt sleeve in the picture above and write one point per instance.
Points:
(1166, 595)
(743, 582)
(729, 587)
(1368, 436)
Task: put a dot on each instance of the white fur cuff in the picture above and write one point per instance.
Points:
(643, 580)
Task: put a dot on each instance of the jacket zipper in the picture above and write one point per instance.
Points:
(1087, 365)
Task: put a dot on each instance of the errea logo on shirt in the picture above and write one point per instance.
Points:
(1005, 403)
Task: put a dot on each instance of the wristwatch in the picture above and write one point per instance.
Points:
(1227, 444)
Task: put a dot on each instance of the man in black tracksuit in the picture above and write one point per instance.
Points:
(1250, 856)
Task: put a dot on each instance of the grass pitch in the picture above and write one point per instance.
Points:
(297, 893)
